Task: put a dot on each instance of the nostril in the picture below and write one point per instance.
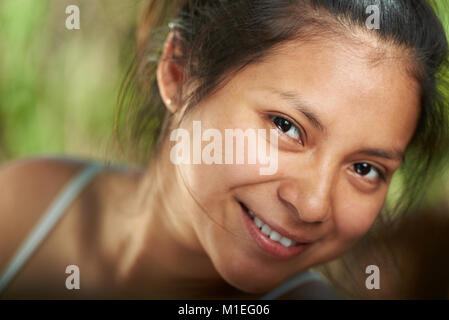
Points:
(305, 206)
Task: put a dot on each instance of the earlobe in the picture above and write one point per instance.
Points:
(170, 69)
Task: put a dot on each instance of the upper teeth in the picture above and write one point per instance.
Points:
(273, 235)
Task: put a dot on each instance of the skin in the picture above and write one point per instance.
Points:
(183, 236)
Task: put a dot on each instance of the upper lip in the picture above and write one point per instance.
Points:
(282, 231)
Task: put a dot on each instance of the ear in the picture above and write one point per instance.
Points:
(170, 75)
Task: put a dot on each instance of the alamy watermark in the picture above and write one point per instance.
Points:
(73, 20)
(73, 280)
(373, 20)
(373, 280)
(212, 153)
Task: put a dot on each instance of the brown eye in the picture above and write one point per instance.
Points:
(283, 124)
(287, 127)
(362, 168)
(368, 171)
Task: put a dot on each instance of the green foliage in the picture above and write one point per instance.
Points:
(58, 87)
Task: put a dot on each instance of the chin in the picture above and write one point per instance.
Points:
(246, 278)
(250, 286)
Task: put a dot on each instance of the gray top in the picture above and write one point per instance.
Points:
(70, 192)
(47, 221)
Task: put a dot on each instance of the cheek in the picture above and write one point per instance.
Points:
(215, 183)
(351, 221)
(219, 116)
(209, 178)
(356, 217)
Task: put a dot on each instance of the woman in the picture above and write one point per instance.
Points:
(342, 104)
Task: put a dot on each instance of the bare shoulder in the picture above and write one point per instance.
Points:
(27, 188)
(28, 185)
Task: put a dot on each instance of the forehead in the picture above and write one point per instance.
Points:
(340, 82)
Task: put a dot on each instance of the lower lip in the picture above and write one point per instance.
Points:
(272, 247)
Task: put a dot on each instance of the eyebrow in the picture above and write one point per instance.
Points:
(295, 100)
(387, 154)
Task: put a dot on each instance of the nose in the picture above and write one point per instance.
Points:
(308, 196)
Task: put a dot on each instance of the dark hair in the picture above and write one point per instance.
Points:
(219, 38)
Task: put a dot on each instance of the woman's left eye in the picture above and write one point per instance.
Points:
(368, 171)
(287, 127)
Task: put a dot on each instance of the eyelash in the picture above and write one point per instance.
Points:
(378, 171)
(288, 122)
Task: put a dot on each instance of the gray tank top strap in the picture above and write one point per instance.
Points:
(47, 221)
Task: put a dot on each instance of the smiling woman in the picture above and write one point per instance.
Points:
(349, 106)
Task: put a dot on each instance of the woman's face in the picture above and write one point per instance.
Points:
(342, 123)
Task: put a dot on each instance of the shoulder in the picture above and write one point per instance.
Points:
(27, 187)
(24, 172)
(29, 183)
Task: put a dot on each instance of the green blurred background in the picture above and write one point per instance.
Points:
(58, 87)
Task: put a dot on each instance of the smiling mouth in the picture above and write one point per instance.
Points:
(268, 231)
(271, 241)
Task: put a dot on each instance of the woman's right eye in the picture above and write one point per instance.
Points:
(287, 127)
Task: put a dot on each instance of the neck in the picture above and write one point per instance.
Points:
(164, 258)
